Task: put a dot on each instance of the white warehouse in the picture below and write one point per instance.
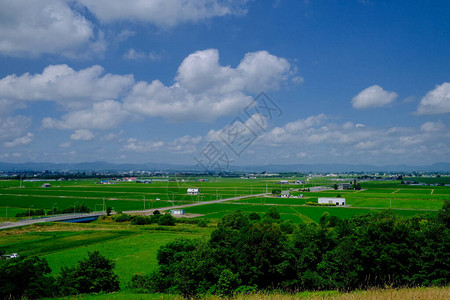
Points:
(337, 201)
(192, 191)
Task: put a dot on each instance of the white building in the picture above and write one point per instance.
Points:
(177, 211)
(337, 201)
(192, 191)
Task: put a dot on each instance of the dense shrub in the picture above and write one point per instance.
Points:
(364, 251)
(25, 277)
(166, 219)
(92, 275)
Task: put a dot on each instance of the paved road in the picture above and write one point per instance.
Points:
(193, 204)
(147, 211)
(49, 219)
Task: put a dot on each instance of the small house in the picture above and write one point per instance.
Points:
(192, 191)
(284, 181)
(46, 185)
(345, 186)
(336, 201)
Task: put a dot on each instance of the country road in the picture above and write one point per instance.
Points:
(194, 204)
(146, 211)
(49, 219)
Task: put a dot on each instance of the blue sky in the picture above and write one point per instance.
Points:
(357, 81)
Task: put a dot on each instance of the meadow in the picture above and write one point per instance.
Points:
(132, 248)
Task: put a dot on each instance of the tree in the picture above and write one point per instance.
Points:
(108, 211)
(335, 186)
(25, 277)
(273, 213)
(92, 275)
(254, 217)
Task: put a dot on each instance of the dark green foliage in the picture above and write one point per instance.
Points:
(276, 191)
(273, 213)
(287, 226)
(235, 220)
(444, 214)
(92, 275)
(254, 217)
(372, 250)
(108, 211)
(166, 219)
(202, 223)
(122, 218)
(25, 277)
(156, 212)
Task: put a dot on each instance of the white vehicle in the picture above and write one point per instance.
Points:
(12, 255)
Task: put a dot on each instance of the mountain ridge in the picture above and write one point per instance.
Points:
(98, 166)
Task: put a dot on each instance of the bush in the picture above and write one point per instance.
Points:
(202, 223)
(122, 218)
(166, 219)
(92, 275)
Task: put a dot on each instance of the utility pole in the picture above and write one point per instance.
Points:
(144, 202)
(103, 204)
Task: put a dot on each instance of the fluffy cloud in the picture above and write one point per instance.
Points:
(66, 86)
(103, 115)
(350, 143)
(134, 145)
(45, 27)
(82, 135)
(20, 141)
(204, 90)
(432, 126)
(374, 96)
(436, 101)
(185, 144)
(165, 13)
(12, 127)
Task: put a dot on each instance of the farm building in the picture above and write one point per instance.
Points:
(345, 186)
(337, 201)
(46, 185)
(177, 211)
(285, 194)
(192, 191)
(284, 181)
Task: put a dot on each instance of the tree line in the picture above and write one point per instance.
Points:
(246, 254)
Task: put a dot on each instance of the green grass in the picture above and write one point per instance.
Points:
(132, 248)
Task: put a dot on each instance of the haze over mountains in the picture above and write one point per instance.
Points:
(322, 168)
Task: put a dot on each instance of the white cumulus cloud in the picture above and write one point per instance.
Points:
(135, 145)
(20, 141)
(103, 115)
(436, 101)
(373, 96)
(204, 90)
(163, 13)
(82, 135)
(45, 27)
(66, 86)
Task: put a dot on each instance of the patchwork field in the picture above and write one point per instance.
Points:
(125, 196)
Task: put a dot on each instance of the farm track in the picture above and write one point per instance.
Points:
(149, 211)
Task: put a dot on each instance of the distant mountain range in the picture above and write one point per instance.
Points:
(321, 168)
